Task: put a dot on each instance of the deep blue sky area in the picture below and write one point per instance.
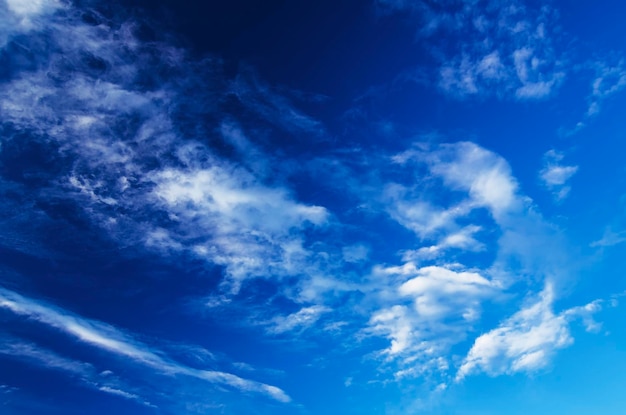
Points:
(373, 207)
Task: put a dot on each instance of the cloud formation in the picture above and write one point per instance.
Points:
(555, 175)
(112, 340)
(119, 127)
(489, 48)
(158, 152)
(526, 341)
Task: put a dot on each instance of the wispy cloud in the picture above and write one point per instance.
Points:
(610, 238)
(85, 373)
(555, 175)
(490, 48)
(111, 339)
(144, 145)
(123, 143)
(19, 349)
(300, 320)
(608, 78)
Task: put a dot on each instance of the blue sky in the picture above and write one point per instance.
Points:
(355, 207)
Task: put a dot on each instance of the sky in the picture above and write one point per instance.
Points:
(373, 207)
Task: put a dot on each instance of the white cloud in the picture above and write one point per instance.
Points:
(462, 239)
(610, 238)
(490, 48)
(118, 392)
(46, 358)
(21, 16)
(609, 80)
(468, 167)
(431, 303)
(526, 341)
(300, 320)
(25, 8)
(85, 373)
(409, 208)
(133, 154)
(555, 175)
(429, 310)
(442, 293)
(141, 171)
(109, 338)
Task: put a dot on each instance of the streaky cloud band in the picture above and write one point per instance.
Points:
(113, 340)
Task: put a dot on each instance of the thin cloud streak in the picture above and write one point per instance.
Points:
(108, 338)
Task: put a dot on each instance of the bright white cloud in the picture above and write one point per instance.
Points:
(430, 309)
(149, 178)
(526, 341)
(465, 166)
(429, 304)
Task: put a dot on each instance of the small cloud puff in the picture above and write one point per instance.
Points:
(555, 176)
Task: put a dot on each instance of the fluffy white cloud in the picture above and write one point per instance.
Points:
(526, 341)
(430, 309)
(465, 166)
(555, 175)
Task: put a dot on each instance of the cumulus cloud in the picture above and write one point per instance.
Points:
(555, 175)
(430, 309)
(526, 341)
(430, 303)
(467, 167)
